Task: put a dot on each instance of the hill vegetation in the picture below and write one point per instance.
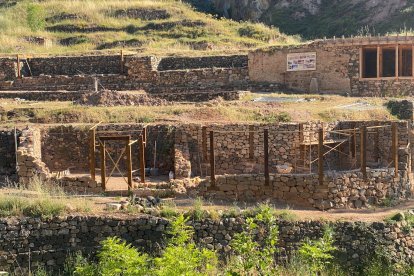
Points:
(156, 27)
(316, 19)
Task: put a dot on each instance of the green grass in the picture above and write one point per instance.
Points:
(157, 36)
(20, 206)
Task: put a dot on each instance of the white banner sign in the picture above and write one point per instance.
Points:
(301, 61)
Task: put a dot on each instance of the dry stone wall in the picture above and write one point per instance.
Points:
(76, 65)
(47, 242)
(8, 69)
(339, 190)
(180, 63)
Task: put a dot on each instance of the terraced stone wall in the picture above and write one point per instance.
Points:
(38, 242)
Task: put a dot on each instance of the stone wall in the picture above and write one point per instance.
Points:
(333, 67)
(8, 151)
(34, 242)
(180, 63)
(8, 70)
(340, 189)
(75, 65)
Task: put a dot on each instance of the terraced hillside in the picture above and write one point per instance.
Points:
(157, 27)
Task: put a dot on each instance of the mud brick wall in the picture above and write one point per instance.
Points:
(180, 63)
(48, 242)
(340, 190)
(8, 69)
(76, 65)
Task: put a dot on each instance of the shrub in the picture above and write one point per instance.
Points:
(181, 256)
(35, 17)
(317, 254)
(250, 256)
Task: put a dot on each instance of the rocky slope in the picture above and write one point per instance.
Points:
(318, 18)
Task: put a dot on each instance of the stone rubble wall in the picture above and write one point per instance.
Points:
(180, 63)
(8, 69)
(340, 189)
(33, 242)
(8, 151)
(76, 65)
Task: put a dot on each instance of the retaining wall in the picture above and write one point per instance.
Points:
(340, 189)
(32, 242)
(180, 63)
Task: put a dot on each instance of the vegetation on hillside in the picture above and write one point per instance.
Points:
(156, 27)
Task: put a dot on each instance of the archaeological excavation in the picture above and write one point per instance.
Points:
(316, 127)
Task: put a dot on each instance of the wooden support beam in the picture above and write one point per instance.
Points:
(103, 165)
(396, 61)
(129, 163)
(320, 155)
(18, 67)
(144, 135)
(251, 142)
(92, 146)
(212, 161)
(363, 148)
(395, 147)
(142, 158)
(204, 142)
(122, 61)
(266, 156)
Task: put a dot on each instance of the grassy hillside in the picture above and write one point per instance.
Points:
(147, 26)
(316, 19)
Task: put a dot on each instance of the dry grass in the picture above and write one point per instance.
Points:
(321, 108)
(223, 33)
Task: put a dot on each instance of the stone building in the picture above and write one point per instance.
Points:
(368, 66)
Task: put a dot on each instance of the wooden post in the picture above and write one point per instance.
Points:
(144, 135)
(320, 155)
(142, 158)
(92, 146)
(129, 162)
(394, 128)
(266, 156)
(251, 142)
(363, 148)
(204, 142)
(212, 161)
(122, 61)
(18, 67)
(103, 165)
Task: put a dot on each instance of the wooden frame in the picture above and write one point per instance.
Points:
(398, 61)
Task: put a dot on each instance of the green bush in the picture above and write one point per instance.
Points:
(250, 256)
(35, 17)
(318, 254)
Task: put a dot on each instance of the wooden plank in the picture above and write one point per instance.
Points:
(103, 165)
(266, 156)
(394, 129)
(204, 142)
(396, 61)
(363, 149)
(378, 61)
(92, 146)
(212, 161)
(129, 164)
(142, 158)
(320, 155)
(251, 142)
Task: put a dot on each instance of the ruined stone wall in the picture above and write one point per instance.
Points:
(340, 189)
(8, 69)
(181, 63)
(8, 151)
(332, 72)
(76, 65)
(47, 242)
(67, 147)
